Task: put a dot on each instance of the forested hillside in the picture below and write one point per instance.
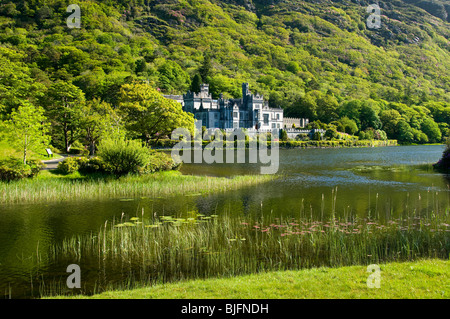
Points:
(315, 58)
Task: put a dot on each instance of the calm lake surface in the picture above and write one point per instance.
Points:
(380, 182)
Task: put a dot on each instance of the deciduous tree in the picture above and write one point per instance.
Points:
(99, 121)
(64, 108)
(26, 129)
(148, 114)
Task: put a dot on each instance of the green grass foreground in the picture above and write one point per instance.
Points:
(418, 280)
(49, 186)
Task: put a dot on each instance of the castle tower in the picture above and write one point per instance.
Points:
(245, 90)
(204, 90)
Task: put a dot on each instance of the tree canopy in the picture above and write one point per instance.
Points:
(147, 114)
(315, 60)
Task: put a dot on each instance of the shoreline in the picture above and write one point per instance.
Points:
(398, 280)
(165, 145)
(56, 188)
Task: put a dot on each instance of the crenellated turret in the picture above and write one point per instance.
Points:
(250, 111)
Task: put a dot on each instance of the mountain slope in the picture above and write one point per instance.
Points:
(287, 50)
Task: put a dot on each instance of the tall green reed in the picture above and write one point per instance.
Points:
(158, 184)
(165, 249)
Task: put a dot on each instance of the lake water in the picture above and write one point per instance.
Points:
(381, 182)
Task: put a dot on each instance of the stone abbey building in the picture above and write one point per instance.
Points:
(250, 111)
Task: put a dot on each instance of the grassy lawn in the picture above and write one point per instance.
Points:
(420, 279)
(6, 150)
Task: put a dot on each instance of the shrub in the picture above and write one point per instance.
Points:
(159, 162)
(317, 136)
(331, 133)
(91, 165)
(380, 135)
(284, 136)
(362, 135)
(12, 168)
(78, 149)
(69, 165)
(123, 156)
(444, 162)
(36, 166)
(82, 164)
(120, 157)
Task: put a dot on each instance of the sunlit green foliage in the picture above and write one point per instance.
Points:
(26, 130)
(310, 58)
(148, 114)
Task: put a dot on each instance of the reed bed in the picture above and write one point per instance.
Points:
(154, 185)
(140, 251)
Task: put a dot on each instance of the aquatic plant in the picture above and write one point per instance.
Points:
(170, 248)
(153, 185)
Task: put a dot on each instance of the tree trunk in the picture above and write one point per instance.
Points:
(66, 136)
(66, 142)
(25, 151)
(92, 148)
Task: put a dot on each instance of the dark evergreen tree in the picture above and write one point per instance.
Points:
(196, 83)
(206, 68)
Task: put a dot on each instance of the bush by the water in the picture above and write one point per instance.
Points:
(119, 157)
(82, 164)
(444, 162)
(13, 168)
(91, 165)
(68, 166)
(124, 156)
(160, 162)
